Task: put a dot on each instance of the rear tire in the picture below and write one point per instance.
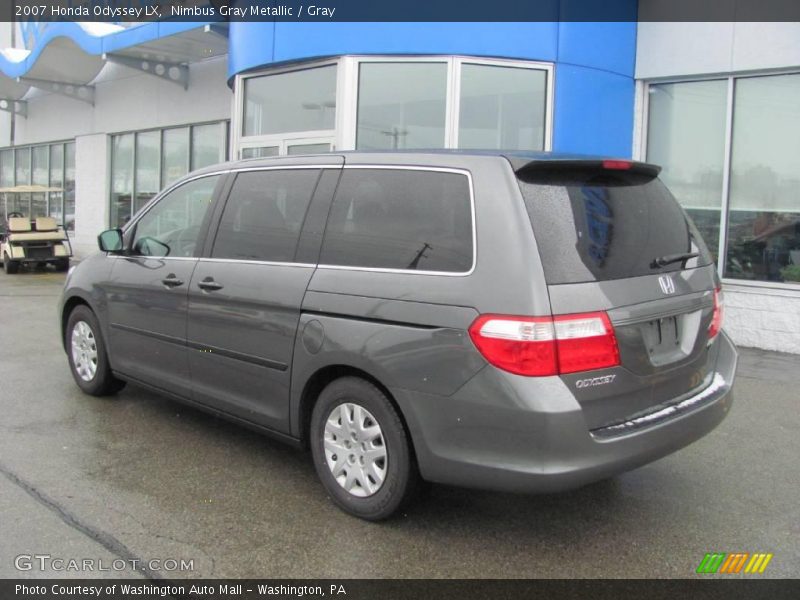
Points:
(362, 451)
(11, 267)
(62, 264)
(86, 351)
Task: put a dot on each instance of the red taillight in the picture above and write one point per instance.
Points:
(716, 320)
(617, 165)
(538, 346)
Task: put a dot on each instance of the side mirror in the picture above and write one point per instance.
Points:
(110, 240)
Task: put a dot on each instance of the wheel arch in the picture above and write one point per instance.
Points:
(66, 309)
(321, 378)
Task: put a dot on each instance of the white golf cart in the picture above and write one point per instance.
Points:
(25, 240)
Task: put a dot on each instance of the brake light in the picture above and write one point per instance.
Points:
(617, 165)
(540, 346)
(716, 319)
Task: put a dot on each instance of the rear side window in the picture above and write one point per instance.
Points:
(597, 225)
(400, 219)
(264, 214)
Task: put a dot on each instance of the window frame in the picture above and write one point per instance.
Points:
(640, 153)
(347, 85)
(384, 167)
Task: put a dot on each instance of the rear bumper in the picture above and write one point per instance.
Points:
(529, 435)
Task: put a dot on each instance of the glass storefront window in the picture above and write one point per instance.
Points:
(686, 136)
(206, 147)
(21, 202)
(39, 176)
(502, 107)
(7, 168)
(260, 152)
(145, 162)
(121, 178)
(174, 154)
(387, 103)
(297, 101)
(764, 205)
(41, 165)
(401, 105)
(148, 153)
(56, 180)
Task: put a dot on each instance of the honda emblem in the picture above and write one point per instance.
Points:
(667, 284)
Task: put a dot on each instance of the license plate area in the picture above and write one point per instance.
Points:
(662, 338)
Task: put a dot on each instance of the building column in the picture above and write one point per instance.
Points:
(92, 172)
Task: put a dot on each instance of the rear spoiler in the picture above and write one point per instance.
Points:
(565, 167)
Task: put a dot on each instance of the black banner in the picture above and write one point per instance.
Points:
(394, 589)
(409, 10)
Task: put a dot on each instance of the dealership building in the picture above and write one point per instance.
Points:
(112, 113)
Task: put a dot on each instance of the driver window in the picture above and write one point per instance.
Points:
(172, 226)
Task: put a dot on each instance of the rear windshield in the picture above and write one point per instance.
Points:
(597, 225)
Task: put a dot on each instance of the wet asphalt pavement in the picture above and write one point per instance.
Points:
(138, 477)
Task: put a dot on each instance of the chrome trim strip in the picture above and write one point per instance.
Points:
(256, 262)
(281, 167)
(145, 257)
(664, 413)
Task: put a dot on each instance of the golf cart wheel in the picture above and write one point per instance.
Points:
(10, 266)
(62, 264)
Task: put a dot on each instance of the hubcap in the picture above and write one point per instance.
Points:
(84, 350)
(355, 450)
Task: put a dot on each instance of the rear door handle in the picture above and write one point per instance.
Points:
(172, 281)
(209, 285)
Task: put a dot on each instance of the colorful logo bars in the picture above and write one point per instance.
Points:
(734, 562)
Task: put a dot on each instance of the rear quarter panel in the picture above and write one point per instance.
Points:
(409, 330)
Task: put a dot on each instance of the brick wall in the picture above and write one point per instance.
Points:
(763, 318)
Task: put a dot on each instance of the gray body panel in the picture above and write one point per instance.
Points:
(251, 349)
(147, 320)
(241, 337)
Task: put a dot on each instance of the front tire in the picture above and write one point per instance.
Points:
(11, 267)
(86, 351)
(362, 452)
(62, 264)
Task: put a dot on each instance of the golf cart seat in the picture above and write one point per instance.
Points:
(46, 224)
(19, 224)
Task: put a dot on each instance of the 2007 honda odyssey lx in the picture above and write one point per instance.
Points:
(524, 322)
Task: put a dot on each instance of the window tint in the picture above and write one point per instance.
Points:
(172, 226)
(264, 214)
(400, 219)
(594, 225)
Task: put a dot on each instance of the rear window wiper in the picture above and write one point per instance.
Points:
(668, 259)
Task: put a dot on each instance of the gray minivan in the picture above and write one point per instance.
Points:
(523, 321)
